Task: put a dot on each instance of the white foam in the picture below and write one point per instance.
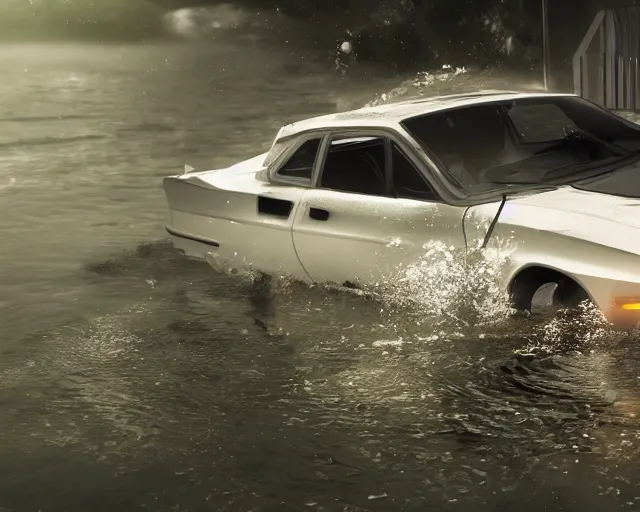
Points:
(450, 286)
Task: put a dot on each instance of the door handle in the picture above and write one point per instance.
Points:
(318, 214)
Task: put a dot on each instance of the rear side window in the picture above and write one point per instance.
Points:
(540, 123)
(300, 164)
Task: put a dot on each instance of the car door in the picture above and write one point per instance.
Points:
(370, 214)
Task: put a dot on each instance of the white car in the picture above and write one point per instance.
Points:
(348, 198)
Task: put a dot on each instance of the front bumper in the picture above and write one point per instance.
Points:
(618, 300)
(624, 312)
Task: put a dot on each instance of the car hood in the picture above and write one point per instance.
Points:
(599, 218)
(582, 203)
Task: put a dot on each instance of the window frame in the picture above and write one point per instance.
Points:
(389, 137)
(291, 147)
(326, 147)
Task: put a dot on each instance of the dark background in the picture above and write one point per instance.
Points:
(399, 34)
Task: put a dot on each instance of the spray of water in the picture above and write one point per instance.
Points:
(450, 287)
(448, 291)
(583, 329)
(419, 84)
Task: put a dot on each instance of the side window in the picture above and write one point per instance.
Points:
(408, 182)
(355, 165)
(540, 123)
(300, 164)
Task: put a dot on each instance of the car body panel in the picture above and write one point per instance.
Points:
(366, 240)
(592, 238)
(221, 207)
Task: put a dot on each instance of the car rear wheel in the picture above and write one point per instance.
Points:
(569, 295)
(539, 289)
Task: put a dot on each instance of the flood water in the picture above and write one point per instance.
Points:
(132, 379)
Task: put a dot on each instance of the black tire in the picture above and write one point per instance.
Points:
(569, 294)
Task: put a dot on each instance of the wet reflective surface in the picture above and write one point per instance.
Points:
(131, 378)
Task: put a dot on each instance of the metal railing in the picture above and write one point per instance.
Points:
(606, 66)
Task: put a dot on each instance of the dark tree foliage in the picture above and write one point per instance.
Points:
(399, 33)
(407, 33)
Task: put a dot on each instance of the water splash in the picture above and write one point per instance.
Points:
(583, 329)
(447, 73)
(447, 286)
(421, 82)
(451, 291)
(586, 325)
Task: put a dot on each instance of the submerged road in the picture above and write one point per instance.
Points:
(131, 378)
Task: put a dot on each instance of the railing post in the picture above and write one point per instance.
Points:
(545, 43)
(581, 78)
(602, 65)
(610, 66)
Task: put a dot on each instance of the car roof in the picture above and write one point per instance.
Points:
(391, 114)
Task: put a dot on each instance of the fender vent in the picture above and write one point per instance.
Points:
(276, 207)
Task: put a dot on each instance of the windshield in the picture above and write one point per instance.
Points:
(535, 141)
